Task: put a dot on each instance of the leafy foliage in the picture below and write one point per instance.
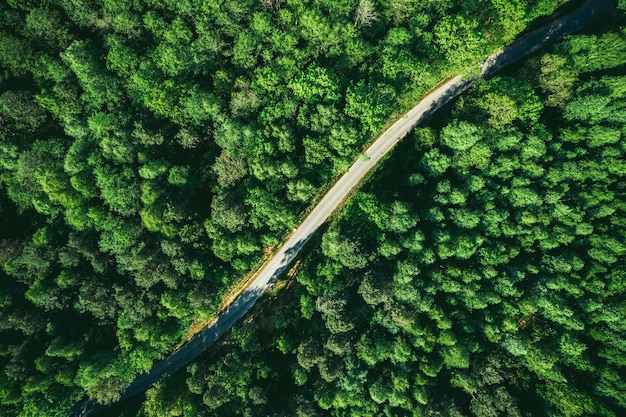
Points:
(151, 150)
(482, 276)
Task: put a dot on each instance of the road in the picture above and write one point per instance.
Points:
(342, 188)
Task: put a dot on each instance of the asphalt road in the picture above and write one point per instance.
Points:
(335, 196)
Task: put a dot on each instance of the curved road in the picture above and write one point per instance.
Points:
(333, 198)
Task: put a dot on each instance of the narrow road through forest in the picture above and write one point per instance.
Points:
(342, 188)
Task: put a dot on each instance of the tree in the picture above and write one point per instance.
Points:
(456, 35)
(460, 135)
(345, 251)
(47, 24)
(227, 213)
(556, 80)
(333, 309)
(229, 169)
(16, 54)
(102, 89)
(118, 188)
(20, 108)
(365, 14)
(366, 103)
(402, 218)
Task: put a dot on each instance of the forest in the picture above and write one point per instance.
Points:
(479, 272)
(152, 152)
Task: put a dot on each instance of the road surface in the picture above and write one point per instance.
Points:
(342, 188)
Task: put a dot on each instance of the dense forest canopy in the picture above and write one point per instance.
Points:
(150, 151)
(480, 272)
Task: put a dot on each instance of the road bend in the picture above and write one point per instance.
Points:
(526, 45)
